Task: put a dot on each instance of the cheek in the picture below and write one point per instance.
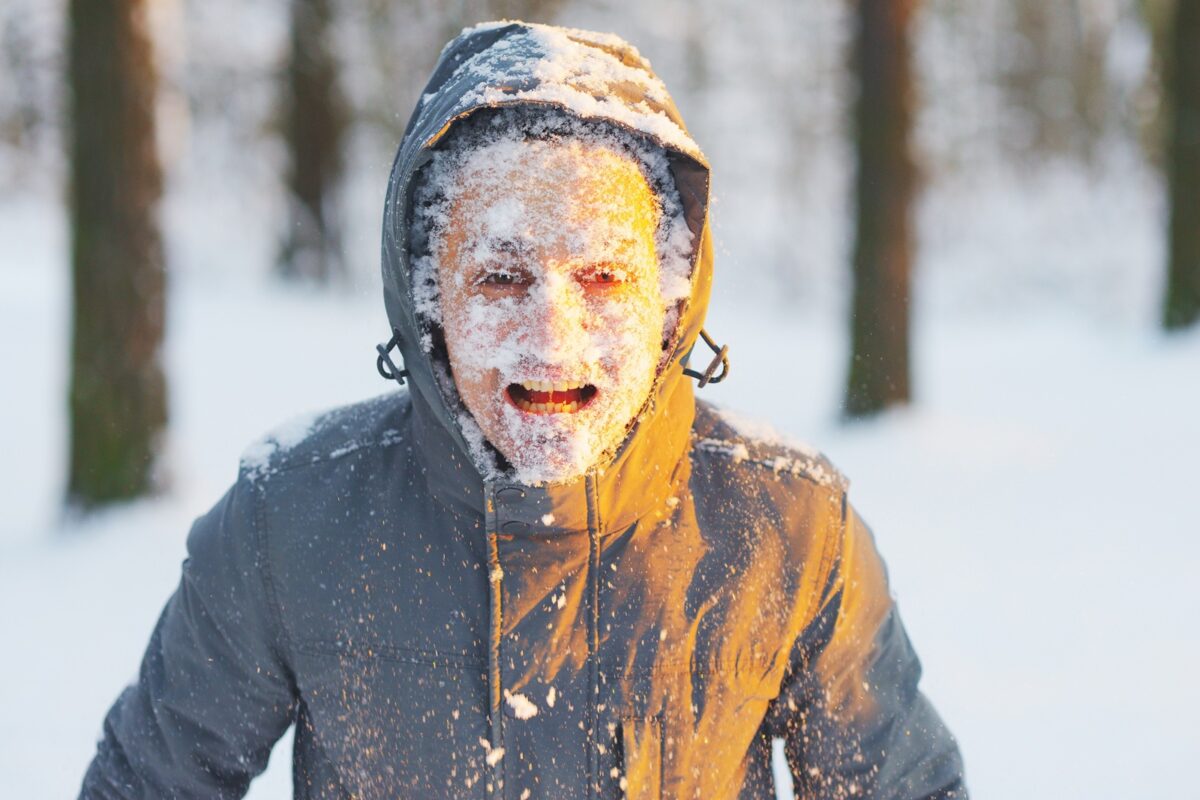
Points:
(632, 321)
(479, 393)
(482, 335)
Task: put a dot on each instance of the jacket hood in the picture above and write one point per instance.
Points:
(590, 76)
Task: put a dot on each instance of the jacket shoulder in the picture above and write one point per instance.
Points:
(739, 440)
(328, 436)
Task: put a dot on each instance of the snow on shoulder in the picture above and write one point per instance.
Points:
(740, 438)
(324, 435)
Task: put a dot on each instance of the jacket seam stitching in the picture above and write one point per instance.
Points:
(831, 548)
(594, 526)
(834, 543)
(282, 644)
(392, 653)
(495, 599)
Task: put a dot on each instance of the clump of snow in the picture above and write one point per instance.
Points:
(586, 226)
(579, 71)
(551, 697)
(494, 754)
(547, 519)
(256, 458)
(522, 707)
(736, 451)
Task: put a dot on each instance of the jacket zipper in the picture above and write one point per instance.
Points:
(593, 507)
(495, 785)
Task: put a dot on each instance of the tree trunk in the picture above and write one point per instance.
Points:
(1181, 307)
(314, 129)
(885, 189)
(118, 392)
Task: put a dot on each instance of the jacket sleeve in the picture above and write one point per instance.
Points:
(213, 693)
(853, 721)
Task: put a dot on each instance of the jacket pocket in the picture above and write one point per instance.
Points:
(641, 749)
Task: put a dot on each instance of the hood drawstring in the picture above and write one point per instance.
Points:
(720, 359)
(387, 368)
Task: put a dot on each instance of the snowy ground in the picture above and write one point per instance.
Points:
(1036, 505)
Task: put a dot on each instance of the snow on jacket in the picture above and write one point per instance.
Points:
(644, 632)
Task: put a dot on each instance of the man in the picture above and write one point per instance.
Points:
(543, 570)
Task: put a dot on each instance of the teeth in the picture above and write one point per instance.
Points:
(550, 386)
(547, 408)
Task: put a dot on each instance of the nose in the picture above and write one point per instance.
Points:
(557, 323)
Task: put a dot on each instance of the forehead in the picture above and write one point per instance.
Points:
(538, 190)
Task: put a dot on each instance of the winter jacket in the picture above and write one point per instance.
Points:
(432, 632)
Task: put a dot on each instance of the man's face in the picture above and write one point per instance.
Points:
(550, 300)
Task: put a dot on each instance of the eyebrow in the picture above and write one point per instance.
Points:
(507, 246)
(520, 246)
(484, 245)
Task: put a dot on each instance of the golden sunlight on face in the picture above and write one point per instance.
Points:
(550, 299)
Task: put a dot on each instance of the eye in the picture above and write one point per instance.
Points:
(502, 278)
(604, 276)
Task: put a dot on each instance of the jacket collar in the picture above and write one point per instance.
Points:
(647, 472)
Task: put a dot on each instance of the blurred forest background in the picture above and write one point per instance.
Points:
(271, 128)
(987, 211)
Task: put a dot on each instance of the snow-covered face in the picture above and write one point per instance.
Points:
(550, 300)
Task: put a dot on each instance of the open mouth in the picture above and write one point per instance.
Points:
(550, 397)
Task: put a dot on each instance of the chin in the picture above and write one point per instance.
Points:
(549, 448)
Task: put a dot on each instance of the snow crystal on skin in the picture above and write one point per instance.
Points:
(504, 132)
(522, 706)
(617, 351)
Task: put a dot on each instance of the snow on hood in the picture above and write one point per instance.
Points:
(586, 75)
